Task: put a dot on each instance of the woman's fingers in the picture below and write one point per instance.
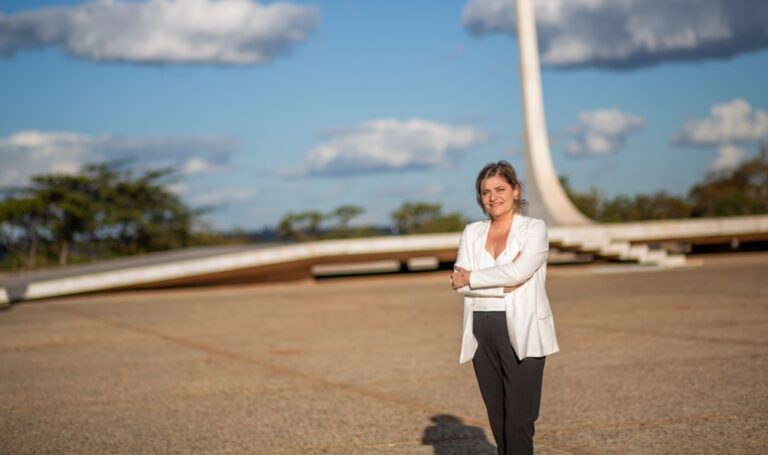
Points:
(459, 277)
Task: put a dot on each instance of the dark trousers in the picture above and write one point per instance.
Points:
(511, 388)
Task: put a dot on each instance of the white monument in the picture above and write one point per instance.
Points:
(543, 190)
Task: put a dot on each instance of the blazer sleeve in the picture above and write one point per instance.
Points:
(462, 260)
(532, 256)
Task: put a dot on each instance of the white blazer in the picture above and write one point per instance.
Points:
(529, 317)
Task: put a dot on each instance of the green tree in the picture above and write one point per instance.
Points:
(414, 217)
(614, 210)
(21, 228)
(423, 217)
(300, 226)
(450, 222)
(147, 216)
(743, 191)
(343, 215)
(621, 208)
(740, 191)
(588, 203)
(103, 210)
(660, 205)
(69, 206)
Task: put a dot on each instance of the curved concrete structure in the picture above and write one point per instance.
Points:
(547, 197)
(227, 265)
(270, 263)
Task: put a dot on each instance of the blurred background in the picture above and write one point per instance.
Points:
(225, 136)
(136, 126)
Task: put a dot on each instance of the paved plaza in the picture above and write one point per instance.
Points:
(652, 362)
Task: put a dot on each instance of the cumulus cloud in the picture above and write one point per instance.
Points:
(428, 191)
(734, 121)
(728, 157)
(27, 153)
(602, 131)
(162, 31)
(623, 34)
(390, 145)
(220, 196)
(729, 127)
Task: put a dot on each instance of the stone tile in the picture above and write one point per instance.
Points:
(651, 362)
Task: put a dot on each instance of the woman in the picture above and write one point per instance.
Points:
(508, 326)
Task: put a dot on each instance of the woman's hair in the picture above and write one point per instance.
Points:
(505, 171)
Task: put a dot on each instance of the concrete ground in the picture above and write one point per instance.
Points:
(652, 362)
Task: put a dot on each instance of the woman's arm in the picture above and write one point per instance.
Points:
(462, 261)
(532, 256)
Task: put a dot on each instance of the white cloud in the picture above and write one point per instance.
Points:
(390, 145)
(735, 121)
(162, 31)
(431, 191)
(218, 199)
(728, 126)
(198, 165)
(625, 34)
(220, 196)
(602, 131)
(27, 153)
(435, 189)
(728, 157)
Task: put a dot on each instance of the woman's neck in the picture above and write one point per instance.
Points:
(504, 221)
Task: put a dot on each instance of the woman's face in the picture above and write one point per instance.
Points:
(498, 197)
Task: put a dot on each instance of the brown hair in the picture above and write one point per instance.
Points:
(505, 171)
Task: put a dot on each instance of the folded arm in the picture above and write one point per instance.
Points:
(532, 256)
(462, 261)
(487, 292)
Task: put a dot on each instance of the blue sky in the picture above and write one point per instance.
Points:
(376, 103)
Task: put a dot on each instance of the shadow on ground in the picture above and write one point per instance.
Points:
(450, 436)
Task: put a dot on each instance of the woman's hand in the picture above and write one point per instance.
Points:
(459, 277)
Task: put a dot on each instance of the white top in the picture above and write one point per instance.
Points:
(491, 303)
(529, 318)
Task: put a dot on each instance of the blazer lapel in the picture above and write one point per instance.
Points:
(479, 243)
(516, 236)
(514, 241)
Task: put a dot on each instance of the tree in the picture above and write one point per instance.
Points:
(147, 216)
(68, 203)
(414, 217)
(740, 191)
(743, 191)
(21, 228)
(423, 217)
(343, 215)
(101, 211)
(588, 203)
(660, 205)
(451, 222)
(300, 226)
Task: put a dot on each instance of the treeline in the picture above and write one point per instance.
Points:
(409, 218)
(741, 191)
(109, 210)
(101, 212)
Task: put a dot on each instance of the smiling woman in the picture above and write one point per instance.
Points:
(508, 326)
